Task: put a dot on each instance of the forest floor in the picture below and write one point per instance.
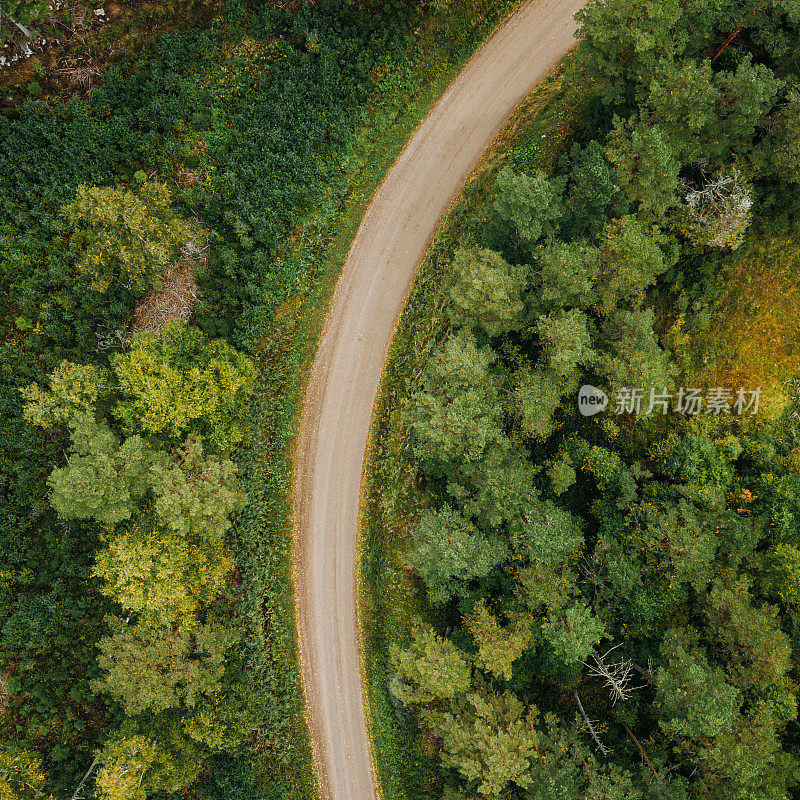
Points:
(390, 245)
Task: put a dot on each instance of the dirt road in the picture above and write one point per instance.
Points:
(390, 244)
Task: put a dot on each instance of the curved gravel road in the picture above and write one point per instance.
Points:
(369, 296)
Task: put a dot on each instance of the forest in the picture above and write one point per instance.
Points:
(606, 607)
(163, 220)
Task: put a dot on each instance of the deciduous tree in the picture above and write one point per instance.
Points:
(431, 668)
(181, 382)
(449, 551)
(125, 236)
(486, 290)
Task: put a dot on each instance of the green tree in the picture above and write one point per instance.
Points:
(749, 638)
(153, 667)
(488, 739)
(161, 574)
(573, 632)
(647, 169)
(449, 551)
(568, 273)
(486, 290)
(104, 480)
(124, 236)
(631, 259)
(550, 534)
(181, 383)
(430, 669)
(499, 646)
(623, 44)
(72, 388)
(746, 95)
(531, 204)
(593, 190)
(536, 396)
(196, 494)
(683, 101)
(780, 576)
(749, 761)
(778, 153)
(566, 341)
(496, 490)
(693, 698)
(629, 353)
(454, 414)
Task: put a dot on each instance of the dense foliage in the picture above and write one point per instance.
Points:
(612, 600)
(136, 622)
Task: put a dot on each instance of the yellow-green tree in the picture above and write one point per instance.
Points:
(181, 382)
(125, 236)
(21, 774)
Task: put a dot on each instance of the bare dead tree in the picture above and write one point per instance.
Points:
(590, 726)
(616, 674)
(719, 211)
(78, 794)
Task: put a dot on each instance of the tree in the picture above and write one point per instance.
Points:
(647, 169)
(778, 153)
(497, 489)
(780, 577)
(531, 204)
(568, 273)
(181, 383)
(537, 394)
(125, 763)
(196, 494)
(683, 101)
(153, 667)
(593, 190)
(719, 212)
(746, 95)
(21, 775)
(486, 290)
(757, 650)
(566, 341)
(124, 236)
(488, 740)
(624, 44)
(454, 415)
(613, 476)
(160, 574)
(693, 698)
(631, 259)
(749, 761)
(573, 632)
(550, 534)
(499, 646)
(674, 540)
(630, 355)
(104, 480)
(430, 669)
(561, 473)
(449, 551)
(147, 758)
(72, 388)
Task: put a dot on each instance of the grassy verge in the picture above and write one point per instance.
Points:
(390, 597)
(285, 353)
